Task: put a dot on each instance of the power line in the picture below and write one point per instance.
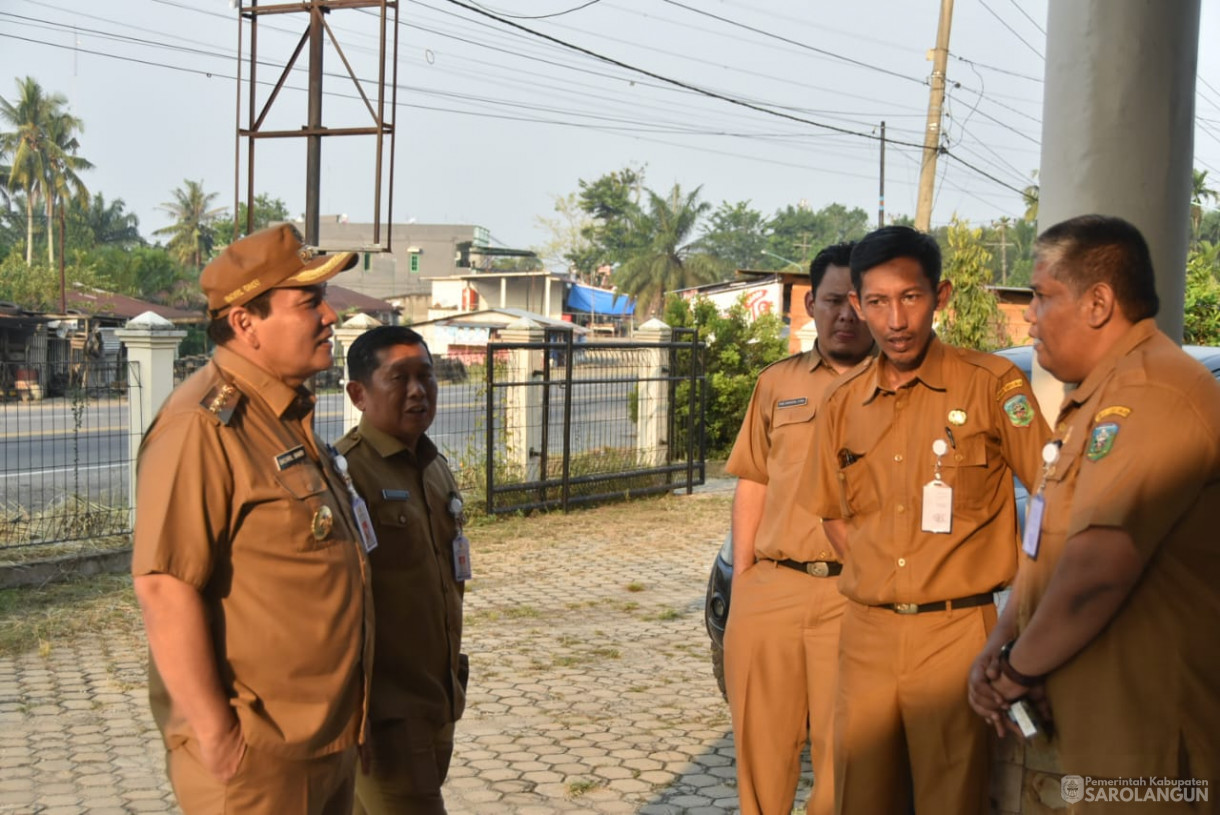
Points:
(806, 46)
(1025, 14)
(1011, 30)
(545, 16)
(721, 96)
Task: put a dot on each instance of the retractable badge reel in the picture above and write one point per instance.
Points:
(360, 510)
(461, 544)
(938, 497)
(1032, 538)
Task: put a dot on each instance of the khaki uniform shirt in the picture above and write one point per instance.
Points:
(233, 499)
(771, 448)
(1140, 451)
(418, 673)
(991, 414)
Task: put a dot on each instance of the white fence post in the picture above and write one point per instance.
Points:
(808, 335)
(523, 403)
(152, 345)
(652, 396)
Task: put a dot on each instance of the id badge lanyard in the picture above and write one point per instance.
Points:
(461, 544)
(360, 510)
(938, 497)
(1032, 538)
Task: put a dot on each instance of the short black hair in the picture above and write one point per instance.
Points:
(892, 242)
(837, 254)
(1090, 249)
(363, 357)
(219, 330)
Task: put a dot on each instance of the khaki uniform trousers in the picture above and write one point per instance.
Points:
(904, 731)
(410, 762)
(264, 784)
(781, 649)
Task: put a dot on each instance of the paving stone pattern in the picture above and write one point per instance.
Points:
(590, 689)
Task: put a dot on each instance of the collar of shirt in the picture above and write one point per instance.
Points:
(1138, 333)
(386, 445)
(930, 372)
(262, 383)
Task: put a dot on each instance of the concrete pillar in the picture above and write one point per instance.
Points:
(345, 335)
(503, 292)
(805, 336)
(652, 396)
(152, 345)
(523, 400)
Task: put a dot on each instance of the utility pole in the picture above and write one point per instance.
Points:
(881, 191)
(1003, 244)
(313, 157)
(803, 245)
(936, 103)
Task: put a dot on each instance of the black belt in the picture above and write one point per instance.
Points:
(984, 599)
(817, 568)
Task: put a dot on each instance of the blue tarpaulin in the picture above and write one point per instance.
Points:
(598, 301)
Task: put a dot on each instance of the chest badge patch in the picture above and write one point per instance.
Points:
(323, 521)
(1020, 414)
(787, 403)
(957, 417)
(1101, 442)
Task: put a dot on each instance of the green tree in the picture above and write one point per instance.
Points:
(36, 286)
(612, 202)
(1030, 195)
(62, 182)
(1202, 312)
(192, 235)
(972, 318)
(569, 235)
(25, 146)
(737, 349)
(267, 210)
(736, 234)
(1200, 194)
(667, 258)
(798, 233)
(102, 223)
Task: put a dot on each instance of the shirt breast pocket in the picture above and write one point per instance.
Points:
(858, 490)
(790, 432)
(965, 469)
(402, 537)
(310, 513)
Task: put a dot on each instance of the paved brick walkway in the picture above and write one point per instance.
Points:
(591, 689)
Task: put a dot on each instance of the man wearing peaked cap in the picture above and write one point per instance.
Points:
(248, 563)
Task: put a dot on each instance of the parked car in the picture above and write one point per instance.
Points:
(720, 582)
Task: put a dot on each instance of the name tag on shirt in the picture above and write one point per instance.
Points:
(290, 457)
(395, 495)
(364, 523)
(937, 507)
(461, 557)
(1033, 527)
(787, 403)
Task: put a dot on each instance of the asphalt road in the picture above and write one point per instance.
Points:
(50, 450)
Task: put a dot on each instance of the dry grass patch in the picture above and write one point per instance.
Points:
(43, 616)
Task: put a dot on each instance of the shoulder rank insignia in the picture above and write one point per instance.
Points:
(1009, 386)
(1102, 441)
(1019, 411)
(221, 401)
(1114, 410)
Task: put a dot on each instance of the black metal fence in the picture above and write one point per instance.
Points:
(66, 457)
(592, 422)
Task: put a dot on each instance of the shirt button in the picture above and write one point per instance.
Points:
(402, 519)
(900, 508)
(902, 561)
(898, 457)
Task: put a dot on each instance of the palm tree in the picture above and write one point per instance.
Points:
(193, 232)
(1199, 194)
(110, 223)
(61, 164)
(670, 259)
(25, 145)
(1030, 195)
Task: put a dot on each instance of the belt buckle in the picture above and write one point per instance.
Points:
(819, 568)
(906, 608)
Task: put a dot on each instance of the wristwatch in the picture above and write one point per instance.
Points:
(1012, 673)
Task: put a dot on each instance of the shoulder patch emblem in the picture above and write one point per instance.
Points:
(1114, 410)
(787, 403)
(1019, 411)
(1009, 386)
(1102, 441)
